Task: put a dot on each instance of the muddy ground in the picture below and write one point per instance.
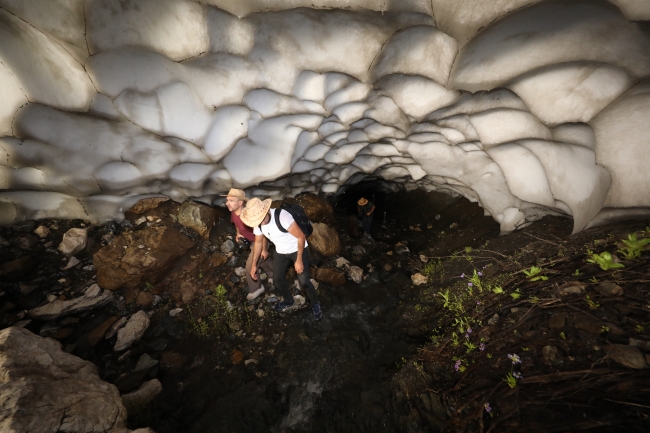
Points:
(388, 356)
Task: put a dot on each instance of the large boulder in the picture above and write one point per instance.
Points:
(325, 240)
(43, 389)
(198, 217)
(138, 257)
(318, 209)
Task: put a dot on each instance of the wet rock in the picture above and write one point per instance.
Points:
(171, 361)
(72, 262)
(400, 248)
(609, 288)
(237, 357)
(137, 400)
(145, 362)
(227, 246)
(358, 250)
(51, 298)
(623, 309)
(42, 232)
(123, 264)
(132, 331)
(419, 279)
(175, 312)
(16, 268)
(24, 242)
(74, 240)
(144, 300)
(93, 291)
(99, 332)
(147, 204)
(493, 320)
(627, 356)
(593, 326)
(342, 262)
(572, 288)
(58, 308)
(557, 322)
(330, 276)
(551, 356)
(116, 327)
(45, 389)
(355, 273)
(325, 240)
(198, 217)
(641, 344)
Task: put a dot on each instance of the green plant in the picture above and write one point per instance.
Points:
(498, 290)
(445, 297)
(562, 335)
(470, 346)
(510, 380)
(593, 280)
(633, 246)
(516, 294)
(639, 329)
(148, 286)
(592, 304)
(604, 260)
(534, 274)
(604, 329)
(577, 272)
(534, 299)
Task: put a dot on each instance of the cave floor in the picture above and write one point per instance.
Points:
(559, 347)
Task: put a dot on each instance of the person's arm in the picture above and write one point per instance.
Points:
(238, 235)
(257, 251)
(371, 210)
(265, 248)
(300, 236)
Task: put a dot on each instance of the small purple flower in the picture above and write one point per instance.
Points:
(478, 302)
(470, 284)
(514, 358)
(481, 347)
(480, 274)
(457, 365)
(469, 330)
(462, 275)
(488, 409)
(517, 375)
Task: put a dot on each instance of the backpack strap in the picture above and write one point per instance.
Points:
(277, 220)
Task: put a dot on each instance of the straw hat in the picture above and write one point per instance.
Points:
(362, 201)
(255, 211)
(236, 193)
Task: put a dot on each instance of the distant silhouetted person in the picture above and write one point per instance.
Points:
(366, 210)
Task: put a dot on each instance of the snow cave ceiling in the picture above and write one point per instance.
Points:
(527, 107)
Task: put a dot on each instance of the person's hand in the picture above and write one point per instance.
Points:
(239, 236)
(368, 214)
(299, 267)
(264, 255)
(254, 272)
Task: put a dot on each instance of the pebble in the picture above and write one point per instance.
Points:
(52, 298)
(140, 220)
(627, 356)
(355, 273)
(260, 313)
(175, 312)
(42, 232)
(557, 322)
(609, 288)
(241, 272)
(493, 320)
(419, 279)
(358, 250)
(71, 263)
(227, 246)
(341, 262)
(93, 291)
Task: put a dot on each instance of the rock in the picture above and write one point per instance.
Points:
(355, 273)
(259, 339)
(609, 288)
(551, 356)
(51, 298)
(401, 249)
(4, 242)
(358, 250)
(240, 272)
(74, 240)
(93, 291)
(147, 204)
(593, 326)
(116, 327)
(140, 221)
(72, 262)
(325, 240)
(493, 320)
(132, 331)
(217, 260)
(136, 401)
(641, 344)
(98, 333)
(16, 268)
(419, 279)
(627, 356)
(317, 209)
(171, 361)
(123, 264)
(342, 262)
(47, 390)
(299, 300)
(198, 217)
(330, 276)
(557, 322)
(26, 289)
(572, 288)
(24, 242)
(144, 299)
(237, 357)
(42, 232)
(58, 308)
(145, 362)
(175, 312)
(227, 246)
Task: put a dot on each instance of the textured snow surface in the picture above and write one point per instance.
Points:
(526, 107)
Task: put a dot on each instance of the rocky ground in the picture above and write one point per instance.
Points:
(435, 324)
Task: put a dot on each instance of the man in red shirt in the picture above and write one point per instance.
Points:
(235, 202)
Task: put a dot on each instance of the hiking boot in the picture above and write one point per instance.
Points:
(283, 305)
(318, 313)
(255, 294)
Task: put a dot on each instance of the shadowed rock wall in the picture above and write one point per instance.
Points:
(527, 107)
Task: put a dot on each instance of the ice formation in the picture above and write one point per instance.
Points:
(526, 107)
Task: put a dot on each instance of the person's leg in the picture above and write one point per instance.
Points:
(281, 263)
(304, 278)
(252, 284)
(266, 266)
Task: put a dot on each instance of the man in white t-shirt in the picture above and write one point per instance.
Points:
(290, 247)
